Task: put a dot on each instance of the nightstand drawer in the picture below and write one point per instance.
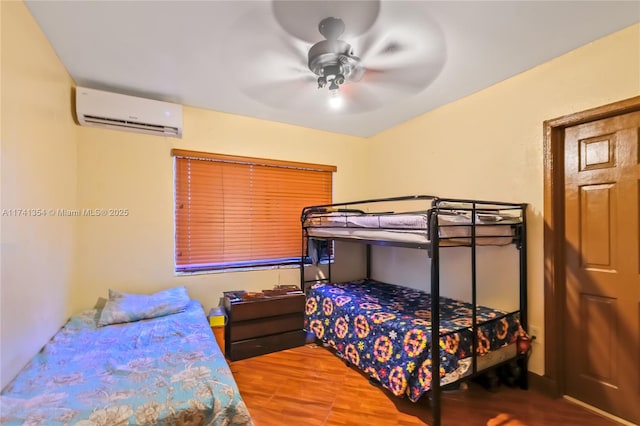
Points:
(267, 307)
(265, 326)
(265, 345)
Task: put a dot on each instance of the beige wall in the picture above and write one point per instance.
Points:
(489, 145)
(135, 172)
(38, 152)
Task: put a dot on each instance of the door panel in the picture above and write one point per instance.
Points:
(599, 361)
(602, 308)
(597, 230)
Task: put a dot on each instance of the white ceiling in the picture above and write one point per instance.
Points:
(243, 57)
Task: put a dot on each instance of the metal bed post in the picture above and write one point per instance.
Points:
(302, 280)
(368, 255)
(523, 361)
(436, 392)
(329, 262)
(474, 300)
(523, 267)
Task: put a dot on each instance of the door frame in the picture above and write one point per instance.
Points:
(554, 263)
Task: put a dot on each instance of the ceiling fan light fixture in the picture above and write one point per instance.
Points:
(335, 99)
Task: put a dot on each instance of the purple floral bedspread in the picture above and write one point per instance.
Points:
(385, 330)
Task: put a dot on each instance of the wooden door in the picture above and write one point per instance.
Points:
(602, 310)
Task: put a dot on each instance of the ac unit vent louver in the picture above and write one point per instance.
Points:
(156, 129)
(129, 113)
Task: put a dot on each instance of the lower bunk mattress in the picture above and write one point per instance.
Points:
(385, 330)
(167, 370)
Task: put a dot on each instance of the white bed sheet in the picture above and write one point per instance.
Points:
(393, 221)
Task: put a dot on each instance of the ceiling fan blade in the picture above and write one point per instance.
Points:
(406, 57)
(397, 46)
(401, 85)
(359, 97)
(301, 18)
(282, 93)
(268, 65)
(271, 65)
(296, 48)
(399, 32)
(366, 46)
(408, 78)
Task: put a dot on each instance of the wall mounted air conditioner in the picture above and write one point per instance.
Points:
(129, 113)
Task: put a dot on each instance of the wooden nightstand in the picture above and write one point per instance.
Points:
(263, 325)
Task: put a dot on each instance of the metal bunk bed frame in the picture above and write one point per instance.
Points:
(439, 205)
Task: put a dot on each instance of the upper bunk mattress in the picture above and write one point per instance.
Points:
(454, 228)
(166, 370)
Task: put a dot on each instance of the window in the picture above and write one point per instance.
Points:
(238, 212)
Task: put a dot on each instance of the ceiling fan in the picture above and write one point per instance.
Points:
(395, 55)
(332, 60)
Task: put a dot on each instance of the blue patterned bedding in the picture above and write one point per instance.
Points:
(163, 371)
(385, 330)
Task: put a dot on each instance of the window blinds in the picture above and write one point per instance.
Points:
(235, 212)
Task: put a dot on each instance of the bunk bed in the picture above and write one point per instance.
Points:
(384, 329)
(139, 359)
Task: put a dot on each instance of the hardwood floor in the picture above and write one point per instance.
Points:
(310, 386)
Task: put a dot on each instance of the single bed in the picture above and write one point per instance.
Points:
(385, 331)
(157, 371)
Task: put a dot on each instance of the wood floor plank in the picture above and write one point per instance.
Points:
(310, 386)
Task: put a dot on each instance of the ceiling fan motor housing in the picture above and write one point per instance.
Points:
(332, 57)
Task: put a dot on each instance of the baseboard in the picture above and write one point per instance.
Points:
(599, 411)
(543, 384)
